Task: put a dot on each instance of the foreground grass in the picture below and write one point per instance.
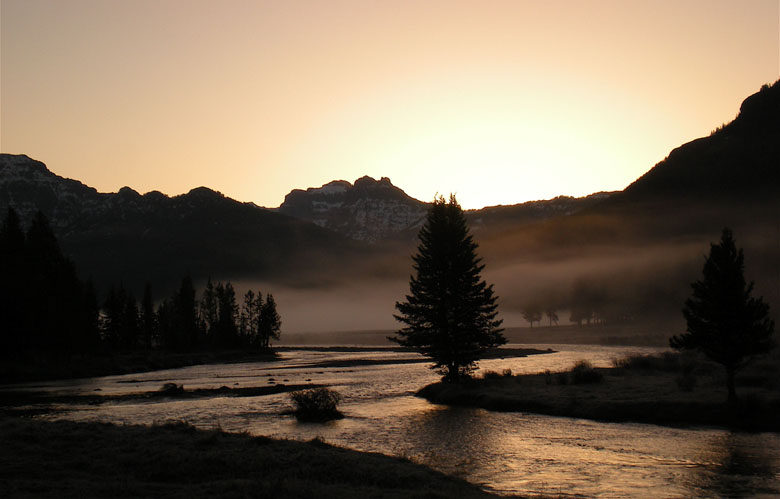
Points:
(91, 460)
(667, 390)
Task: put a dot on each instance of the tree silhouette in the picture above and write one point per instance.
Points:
(552, 315)
(532, 313)
(208, 310)
(225, 331)
(148, 318)
(724, 321)
(250, 317)
(185, 321)
(44, 307)
(270, 323)
(450, 313)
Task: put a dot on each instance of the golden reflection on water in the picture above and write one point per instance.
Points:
(511, 453)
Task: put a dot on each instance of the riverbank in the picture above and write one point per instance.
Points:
(49, 366)
(91, 460)
(669, 390)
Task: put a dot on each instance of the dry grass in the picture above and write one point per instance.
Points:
(91, 460)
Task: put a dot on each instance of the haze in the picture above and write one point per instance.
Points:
(500, 102)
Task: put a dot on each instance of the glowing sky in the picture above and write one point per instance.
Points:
(500, 102)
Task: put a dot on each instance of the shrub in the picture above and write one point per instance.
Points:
(172, 389)
(667, 361)
(583, 372)
(317, 405)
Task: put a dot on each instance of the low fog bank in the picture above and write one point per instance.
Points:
(355, 306)
(630, 293)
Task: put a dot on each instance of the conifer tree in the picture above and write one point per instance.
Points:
(148, 318)
(450, 313)
(208, 309)
(270, 323)
(724, 321)
(250, 312)
(185, 316)
(227, 331)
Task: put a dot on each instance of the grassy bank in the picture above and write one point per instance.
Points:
(46, 366)
(85, 460)
(668, 390)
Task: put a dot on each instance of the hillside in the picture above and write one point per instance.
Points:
(133, 238)
(629, 255)
(637, 251)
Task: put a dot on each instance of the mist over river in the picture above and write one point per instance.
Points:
(508, 453)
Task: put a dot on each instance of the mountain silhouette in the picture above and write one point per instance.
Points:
(646, 237)
(129, 237)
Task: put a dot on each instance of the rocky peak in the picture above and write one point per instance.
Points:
(369, 210)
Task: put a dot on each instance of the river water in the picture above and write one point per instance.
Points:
(507, 453)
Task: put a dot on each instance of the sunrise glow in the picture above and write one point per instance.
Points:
(500, 102)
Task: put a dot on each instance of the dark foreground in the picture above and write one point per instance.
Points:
(85, 460)
(666, 390)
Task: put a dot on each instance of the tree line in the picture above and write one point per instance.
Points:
(46, 307)
(588, 303)
(182, 322)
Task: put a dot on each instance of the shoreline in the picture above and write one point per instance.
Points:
(622, 396)
(42, 367)
(175, 459)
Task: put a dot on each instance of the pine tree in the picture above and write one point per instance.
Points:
(208, 310)
(450, 313)
(227, 331)
(148, 318)
(185, 317)
(724, 321)
(270, 323)
(250, 312)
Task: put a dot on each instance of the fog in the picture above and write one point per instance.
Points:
(627, 282)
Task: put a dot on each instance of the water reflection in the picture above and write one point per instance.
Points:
(739, 465)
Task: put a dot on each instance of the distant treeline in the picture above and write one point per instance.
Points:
(588, 303)
(45, 307)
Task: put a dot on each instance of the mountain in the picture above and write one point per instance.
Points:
(639, 249)
(376, 211)
(133, 238)
(630, 254)
(370, 210)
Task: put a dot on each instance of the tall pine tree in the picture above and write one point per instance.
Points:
(450, 313)
(724, 321)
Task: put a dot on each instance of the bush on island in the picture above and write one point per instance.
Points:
(316, 405)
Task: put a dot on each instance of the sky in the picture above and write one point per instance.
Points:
(499, 102)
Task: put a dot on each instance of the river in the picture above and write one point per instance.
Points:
(508, 453)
